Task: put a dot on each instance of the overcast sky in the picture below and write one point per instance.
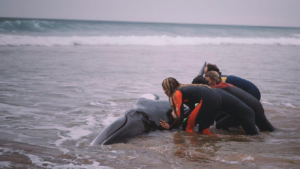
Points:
(228, 12)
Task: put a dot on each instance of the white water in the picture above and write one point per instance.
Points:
(20, 40)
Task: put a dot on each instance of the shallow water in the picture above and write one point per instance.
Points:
(55, 100)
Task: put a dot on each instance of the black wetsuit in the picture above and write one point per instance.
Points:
(244, 84)
(239, 111)
(204, 114)
(261, 120)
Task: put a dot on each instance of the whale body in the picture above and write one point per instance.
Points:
(142, 118)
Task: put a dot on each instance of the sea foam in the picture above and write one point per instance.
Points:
(25, 40)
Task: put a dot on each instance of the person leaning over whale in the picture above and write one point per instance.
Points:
(261, 120)
(236, 81)
(237, 109)
(208, 104)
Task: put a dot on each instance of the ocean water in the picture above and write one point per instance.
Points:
(63, 82)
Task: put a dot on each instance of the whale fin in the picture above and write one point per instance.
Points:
(201, 73)
(150, 96)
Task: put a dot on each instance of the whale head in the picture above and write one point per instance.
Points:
(144, 117)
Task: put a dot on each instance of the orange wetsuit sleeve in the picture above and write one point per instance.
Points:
(177, 99)
(192, 118)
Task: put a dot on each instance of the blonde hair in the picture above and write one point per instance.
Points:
(214, 76)
(170, 85)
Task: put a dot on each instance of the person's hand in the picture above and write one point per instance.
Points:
(164, 124)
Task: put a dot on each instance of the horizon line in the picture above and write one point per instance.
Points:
(145, 22)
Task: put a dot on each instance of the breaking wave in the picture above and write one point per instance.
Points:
(25, 40)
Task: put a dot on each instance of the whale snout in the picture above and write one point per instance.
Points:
(128, 125)
(142, 118)
(106, 135)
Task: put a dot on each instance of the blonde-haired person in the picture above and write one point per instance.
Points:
(261, 120)
(204, 104)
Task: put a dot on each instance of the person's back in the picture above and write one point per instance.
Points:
(214, 80)
(233, 111)
(260, 118)
(238, 111)
(244, 84)
(194, 94)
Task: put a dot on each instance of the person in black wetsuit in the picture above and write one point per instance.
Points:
(261, 120)
(236, 81)
(235, 107)
(203, 102)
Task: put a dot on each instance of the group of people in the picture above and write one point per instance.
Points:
(229, 101)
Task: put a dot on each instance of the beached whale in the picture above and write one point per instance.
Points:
(142, 118)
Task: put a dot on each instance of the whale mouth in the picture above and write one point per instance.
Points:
(110, 130)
